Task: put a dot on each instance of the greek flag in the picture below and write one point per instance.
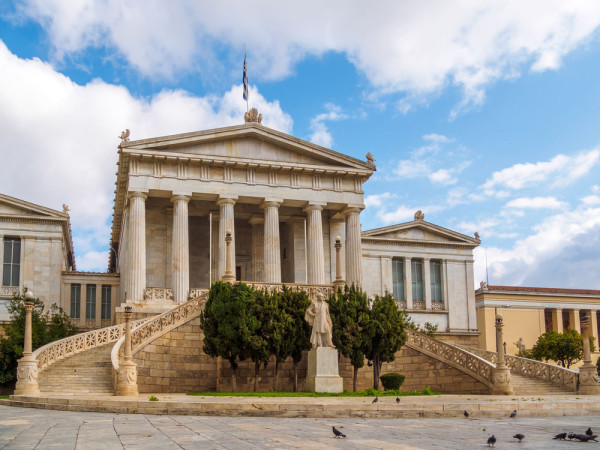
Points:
(245, 80)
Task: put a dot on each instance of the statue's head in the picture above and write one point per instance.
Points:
(320, 297)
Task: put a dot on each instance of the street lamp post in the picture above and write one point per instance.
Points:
(27, 369)
(127, 376)
(228, 277)
(502, 380)
(339, 280)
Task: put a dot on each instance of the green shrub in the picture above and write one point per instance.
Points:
(598, 366)
(392, 381)
(153, 398)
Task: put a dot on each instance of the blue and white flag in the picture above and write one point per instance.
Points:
(245, 80)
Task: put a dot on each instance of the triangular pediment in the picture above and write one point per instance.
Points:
(248, 142)
(11, 206)
(419, 230)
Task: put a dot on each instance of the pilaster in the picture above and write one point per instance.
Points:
(557, 320)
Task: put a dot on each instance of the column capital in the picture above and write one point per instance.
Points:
(256, 219)
(180, 197)
(227, 199)
(314, 206)
(353, 209)
(270, 202)
(132, 194)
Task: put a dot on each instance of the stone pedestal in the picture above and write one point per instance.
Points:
(588, 380)
(27, 373)
(502, 381)
(323, 374)
(127, 379)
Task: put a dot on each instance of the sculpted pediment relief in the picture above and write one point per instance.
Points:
(420, 231)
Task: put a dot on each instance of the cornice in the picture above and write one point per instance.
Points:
(416, 243)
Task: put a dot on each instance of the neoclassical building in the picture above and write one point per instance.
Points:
(284, 201)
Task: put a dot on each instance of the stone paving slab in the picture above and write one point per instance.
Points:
(25, 428)
(332, 407)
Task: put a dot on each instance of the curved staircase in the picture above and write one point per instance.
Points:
(89, 372)
(529, 386)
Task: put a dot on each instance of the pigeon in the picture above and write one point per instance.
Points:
(589, 431)
(571, 435)
(584, 437)
(337, 433)
(519, 436)
(491, 440)
(375, 400)
(397, 399)
(513, 414)
(466, 414)
(560, 436)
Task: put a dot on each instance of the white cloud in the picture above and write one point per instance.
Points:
(591, 200)
(535, 203)
(434, 137)
(418, 48)
(563, 247)
(560, 171)
(377, 200)
(59, 139)
(320, 134)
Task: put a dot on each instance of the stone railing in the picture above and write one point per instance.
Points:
(156, 326)
(463, 360)
(7, 290)
(158, 294)
(401, 304)
(311, 289)
(530, 368)
(418, 305)
(57, 350)
(438, 306)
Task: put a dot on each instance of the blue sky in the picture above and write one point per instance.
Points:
(485, 117)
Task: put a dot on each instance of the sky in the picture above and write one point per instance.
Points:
(483, 114)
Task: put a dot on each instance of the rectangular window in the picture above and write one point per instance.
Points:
(398, 278)
(436, 280)
(105, 301)
(75, 301)
(90, 301)
(11, 263)
(416, 266)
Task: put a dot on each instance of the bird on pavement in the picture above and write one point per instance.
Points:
(375, 400)
(584, 437)
(519, 436)
(491, 440)
(397, 399)
(560, 436)
(589, 431)
(513, 414)
(571, 435)
(337, 433)
(466, 414)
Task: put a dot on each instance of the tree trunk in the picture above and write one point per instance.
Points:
(354, 378)
(256, 369)
(376, 368)
(276, 378)
(296, 376)
(233, 378)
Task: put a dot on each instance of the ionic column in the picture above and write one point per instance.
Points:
(353, 247)
(574, 321)
(137, 246)
(258, 247)
(180, 252)
(316, 255)
(226, 223)
(272, 255)
(427, 283)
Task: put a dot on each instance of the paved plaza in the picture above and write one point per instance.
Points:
(25, 428)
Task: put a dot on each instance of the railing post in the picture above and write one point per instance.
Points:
(588, 374)
(501, 378)
(27, 369)
(127, 376)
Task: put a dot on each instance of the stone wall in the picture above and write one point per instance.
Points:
(175, 362)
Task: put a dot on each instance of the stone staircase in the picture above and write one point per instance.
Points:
(529, 386)
(88, 372)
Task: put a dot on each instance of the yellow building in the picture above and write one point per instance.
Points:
(529, 312)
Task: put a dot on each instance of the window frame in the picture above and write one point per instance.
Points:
(417, 284)
(13, 267)
(398, 279)
(106, 302)
(90, 301)
(75, 304)
(436, 285)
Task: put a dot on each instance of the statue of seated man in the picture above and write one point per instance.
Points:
(317, 316)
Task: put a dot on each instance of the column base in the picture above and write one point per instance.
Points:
(127, 379)
(588, 380)
(228, 279)
(27, 373)
(323, 373)
(502, 381)
(339, 283)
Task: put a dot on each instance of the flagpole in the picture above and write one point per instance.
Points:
(245, 87)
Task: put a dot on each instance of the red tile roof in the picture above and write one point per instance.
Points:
(541, 290)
